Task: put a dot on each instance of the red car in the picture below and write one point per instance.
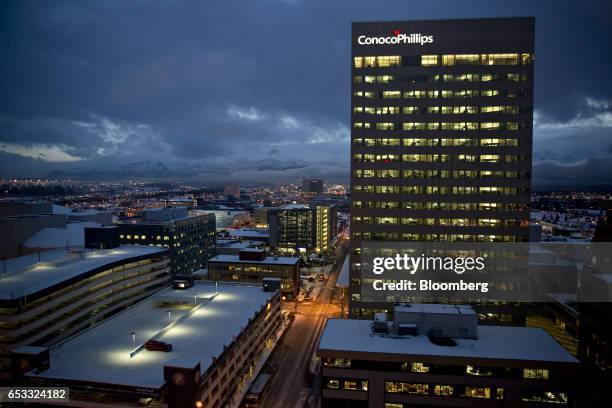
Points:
(154, 345)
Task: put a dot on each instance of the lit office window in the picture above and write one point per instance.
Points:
(391, 94)
(444, 390)
(429, 60)
(537, 373)
(477, 392)
(499, 59)
(385, 126)
(389, 61)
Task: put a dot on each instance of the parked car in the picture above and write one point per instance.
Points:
(155, 345)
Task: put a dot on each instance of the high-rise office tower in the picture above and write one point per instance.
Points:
(441, 141)
(312, 186)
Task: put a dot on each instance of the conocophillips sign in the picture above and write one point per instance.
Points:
(397, 38)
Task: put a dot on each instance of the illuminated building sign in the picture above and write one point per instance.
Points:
(397, 38)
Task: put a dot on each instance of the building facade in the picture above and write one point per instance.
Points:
(254, 265)
(220, 341)
(326, 218)
(292, 228)
(441, 140)
(191, 239)
(437, 355)
(79, 289)
(312, 186)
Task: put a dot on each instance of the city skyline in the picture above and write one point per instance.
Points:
(215, 98)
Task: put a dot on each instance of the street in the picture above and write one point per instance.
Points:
(293, 355)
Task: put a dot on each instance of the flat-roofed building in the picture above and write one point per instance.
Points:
(234, 246)
(220, 337)
(437, 355)
(312, 186)
(254, 265)
(292, 228)
(48, 296)
(190, 237)
(261, 216)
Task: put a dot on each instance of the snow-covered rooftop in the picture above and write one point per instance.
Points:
(102, 354)
(72, 235)
(249, 232)
(435, 308)
(294, 207)
(29, 274)
(279, 260)
(494, 342)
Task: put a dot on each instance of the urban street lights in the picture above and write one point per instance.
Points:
(133, 339)
(195, 298)
(169, 317)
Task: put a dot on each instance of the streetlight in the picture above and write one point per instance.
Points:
(133, 339)
(195, 298)
(169, 317)
(216, 287)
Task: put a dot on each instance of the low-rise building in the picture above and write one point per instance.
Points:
(216, 338)
(253, 265)
(437, 355)
(48, 296)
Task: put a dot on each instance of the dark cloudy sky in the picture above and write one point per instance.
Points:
(224, 85)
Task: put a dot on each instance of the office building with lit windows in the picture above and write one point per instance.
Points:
(190, 235)
(292, 228)
(437, 355)
(326, 219)
(254, 265)
(441, 136)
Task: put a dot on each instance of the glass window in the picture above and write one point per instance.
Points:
(499, 59)
(460, 59)
(429, 60)
(445, 390)
(477, 392)
(385, 126)
(553, 397)
(537, 373)
(419, 368)
(392, 94)
(389, 61)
